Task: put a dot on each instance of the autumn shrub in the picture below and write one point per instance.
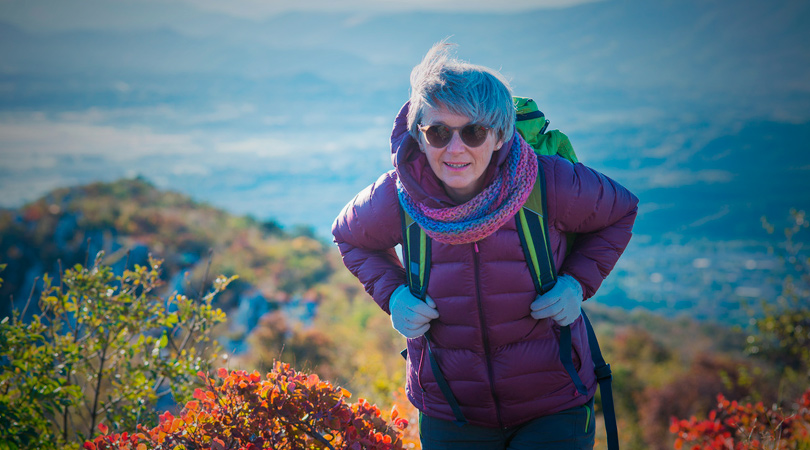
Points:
(285, 409)
(692, 393)
(736, 426)
(782, 331)
(779, 338)
(104, 347)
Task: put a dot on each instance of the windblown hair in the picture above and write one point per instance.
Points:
(477, 92)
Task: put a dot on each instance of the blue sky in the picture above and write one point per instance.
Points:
(275, 112)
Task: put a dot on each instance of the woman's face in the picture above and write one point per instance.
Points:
(459, 167)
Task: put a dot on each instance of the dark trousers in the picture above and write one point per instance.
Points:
(566, 430)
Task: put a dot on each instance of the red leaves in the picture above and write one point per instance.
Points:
(804, 402)
(122, 441)
(736, 426)
(401, 423)
(285, 410)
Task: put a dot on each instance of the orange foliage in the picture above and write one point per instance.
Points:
(410, 435)
(283, 410)
(737, 426)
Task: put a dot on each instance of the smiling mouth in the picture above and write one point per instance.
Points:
(456, 166)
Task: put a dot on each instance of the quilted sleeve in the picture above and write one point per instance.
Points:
(601, 212)
(366, 232)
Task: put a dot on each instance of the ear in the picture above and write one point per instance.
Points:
(499, 145)
(420, 143)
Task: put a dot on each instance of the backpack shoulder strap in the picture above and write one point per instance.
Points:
(415, 255)
(532, 228)
(416, 259)
(604, 377)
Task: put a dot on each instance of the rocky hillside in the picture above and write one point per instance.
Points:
(130, 219)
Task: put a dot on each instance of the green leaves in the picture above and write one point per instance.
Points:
(782, 332)
(104, 349)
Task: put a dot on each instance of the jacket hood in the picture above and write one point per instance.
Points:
(414, 172)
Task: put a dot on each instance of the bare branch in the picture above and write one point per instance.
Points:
(205, 277)
(97, 392)
(194, 319)
(87, 253)
(30, 296)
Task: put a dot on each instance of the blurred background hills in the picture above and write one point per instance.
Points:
(700, 108)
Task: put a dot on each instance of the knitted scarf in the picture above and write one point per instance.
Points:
(487, 211)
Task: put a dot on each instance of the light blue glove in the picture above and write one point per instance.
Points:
(410, 316)
(562, 303)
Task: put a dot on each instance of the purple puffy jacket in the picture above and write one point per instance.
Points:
(502, 365)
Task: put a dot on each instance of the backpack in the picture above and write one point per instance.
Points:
(533, 231)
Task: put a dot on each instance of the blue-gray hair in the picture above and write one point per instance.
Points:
(477, 92)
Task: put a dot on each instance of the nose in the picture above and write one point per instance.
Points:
(455, 145)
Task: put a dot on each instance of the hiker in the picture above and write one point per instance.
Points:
(462, 173)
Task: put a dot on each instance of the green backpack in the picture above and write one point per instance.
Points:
(532, 228)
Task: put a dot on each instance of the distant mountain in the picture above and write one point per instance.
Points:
(300, 104)
(721, 188)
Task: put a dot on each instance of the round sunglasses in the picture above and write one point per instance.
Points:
(472, 134)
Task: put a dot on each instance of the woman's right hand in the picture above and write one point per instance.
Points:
(410, 316)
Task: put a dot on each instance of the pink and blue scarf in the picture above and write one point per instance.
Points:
(486, 212)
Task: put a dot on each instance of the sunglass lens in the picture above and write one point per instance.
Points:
(438, 135)
(473, 135)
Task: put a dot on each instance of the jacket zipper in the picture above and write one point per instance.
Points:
(419, 371)
(485, 336)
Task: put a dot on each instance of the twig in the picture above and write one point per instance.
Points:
(98, 387)
(159, 381)
(69, 367)
(306, 428)
(318, 437)
(171, 341)
(205, 277)
(65, 414)
(59, 263)
(87, 254)
(30, 296)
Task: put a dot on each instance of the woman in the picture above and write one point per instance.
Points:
(462, 173)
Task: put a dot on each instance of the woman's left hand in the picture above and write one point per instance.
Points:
(562, 303)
